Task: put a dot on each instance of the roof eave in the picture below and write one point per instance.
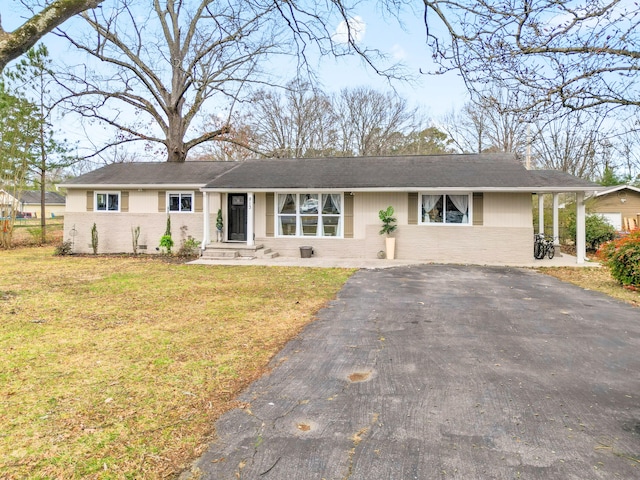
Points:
(132, 186)
(404, 189)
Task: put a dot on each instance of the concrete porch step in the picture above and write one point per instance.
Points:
(238, 251)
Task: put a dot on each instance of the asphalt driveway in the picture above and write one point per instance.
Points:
(435, 372)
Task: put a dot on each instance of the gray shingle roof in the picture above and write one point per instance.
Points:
(50, 198)
(468, 171)
(481, 171)
(165, 173)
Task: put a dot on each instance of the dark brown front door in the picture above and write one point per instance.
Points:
(237, 229)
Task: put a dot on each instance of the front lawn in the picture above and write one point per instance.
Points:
(595, 278)
(117, 367)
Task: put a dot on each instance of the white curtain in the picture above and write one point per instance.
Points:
(428, 202)
(335, 199)
(461, 202)
(282, 199)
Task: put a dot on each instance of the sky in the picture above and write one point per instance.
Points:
(438, 93)
(435, 95)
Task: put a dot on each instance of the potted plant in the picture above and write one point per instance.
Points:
(219, 225)
(388, 227)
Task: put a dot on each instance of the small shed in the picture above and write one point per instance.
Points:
(619, 205)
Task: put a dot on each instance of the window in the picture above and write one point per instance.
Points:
(180, 202)
(108, 201)
(447, 209)
(309, 214)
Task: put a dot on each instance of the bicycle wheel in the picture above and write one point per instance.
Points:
(538, 251)
(551, 252)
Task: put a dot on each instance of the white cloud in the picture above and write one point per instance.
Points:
(356, 28)
(398, 52)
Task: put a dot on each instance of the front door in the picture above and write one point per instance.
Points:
(237, 218)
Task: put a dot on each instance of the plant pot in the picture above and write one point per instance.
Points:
(390, 243)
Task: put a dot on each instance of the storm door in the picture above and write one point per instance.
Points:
(237, 217)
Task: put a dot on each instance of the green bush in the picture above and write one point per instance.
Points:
(189, 248)
(597, 230)
(65, 248)
(622, 256)
(166, 242)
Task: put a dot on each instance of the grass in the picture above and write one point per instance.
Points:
(597, 279)
(117, 367)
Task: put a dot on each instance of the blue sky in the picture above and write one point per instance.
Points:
(438, 93)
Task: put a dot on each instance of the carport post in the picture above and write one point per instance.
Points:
(581, 247)
(540, 213)
(556, 233)
(205, 213)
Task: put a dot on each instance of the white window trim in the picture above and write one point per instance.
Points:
(181, 192)
(299, 215)
(445, 224)
(106, 192)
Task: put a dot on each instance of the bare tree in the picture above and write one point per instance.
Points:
(568, 54)
(239, 143)
(576, 143)
(491, 123)
(371, 122)
(167, 65)
(298, 122)
(15, 43)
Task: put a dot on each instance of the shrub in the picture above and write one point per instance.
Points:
(135, 237)
(166, 241)
(94, 239)
(622, 256)
(597, 230)
(189, 248)
(64, 248)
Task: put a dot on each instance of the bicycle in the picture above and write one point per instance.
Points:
(543, 247)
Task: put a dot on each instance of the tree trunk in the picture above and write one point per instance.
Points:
(43, 207)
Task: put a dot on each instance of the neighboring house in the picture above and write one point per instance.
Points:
(29, 204)
(449, 208)
(619, 205)
(8, 203)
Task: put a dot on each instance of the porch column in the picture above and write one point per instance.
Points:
(206, 235)
(580, 228)
(540, 213)
(250, 220)
(556, 230)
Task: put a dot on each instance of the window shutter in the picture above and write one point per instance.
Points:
(270, 215)
(89, 200)
(124, 201)
(162, 201)
(348, 215)
(478, 208)
(198, 202)
(413, 208)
